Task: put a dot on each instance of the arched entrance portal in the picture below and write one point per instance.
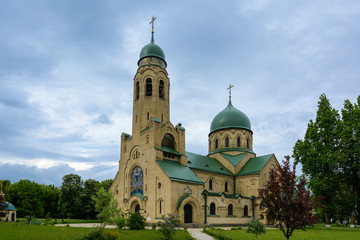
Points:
(188, 213)
(137, 208)
(13, 217)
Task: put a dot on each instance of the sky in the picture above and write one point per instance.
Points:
(67, 68)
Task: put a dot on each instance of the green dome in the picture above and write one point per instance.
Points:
(230, 117)
(8, 206)
(152, 50)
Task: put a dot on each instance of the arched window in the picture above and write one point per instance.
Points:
(226, 142)
(212, 209)
(210, 184)
(248, 143)
(148, 87)
(216, 144)
(226, 186)
(137, 90)
(137, 181)
(161, 89)
(246, 211)
(230, 210)
(168, 141)
(238, 142)
(160, 206)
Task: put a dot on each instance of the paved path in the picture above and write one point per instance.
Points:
(85, 225)
(198, 234)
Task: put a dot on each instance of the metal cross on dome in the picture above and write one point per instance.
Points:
(152, 24)
(229, 88)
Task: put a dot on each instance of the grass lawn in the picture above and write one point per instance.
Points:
(18, 231)
(309, 234)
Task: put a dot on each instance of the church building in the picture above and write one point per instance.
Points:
(157, 175)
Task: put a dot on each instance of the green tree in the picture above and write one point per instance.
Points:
(49, 197)
(106, 206)
(106, 184)
(70, 204)
(256, 227)
(320, 156)
(350, 152)
(91, 186)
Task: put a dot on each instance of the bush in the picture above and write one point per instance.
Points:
(120, 222)
(218, 236)
(136, 222)
(99, 234)
(255, 227)
(167, 227)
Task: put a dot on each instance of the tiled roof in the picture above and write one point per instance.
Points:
(177, 172)
(234, 159)
(254, 165)
(204, 163)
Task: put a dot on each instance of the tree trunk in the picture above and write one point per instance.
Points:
(327, 219)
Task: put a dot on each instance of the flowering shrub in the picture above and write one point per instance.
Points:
(167, 227)
(256, 227)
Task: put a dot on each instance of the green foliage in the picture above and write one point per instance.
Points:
(136, 221)
(91, 186)
(70, 203)
(167, 227)
(106, 205)
(120, 222)
(256, 227)
(47, 219)
(330, 158)
(216, 234)
(99, 234)
(106, 184)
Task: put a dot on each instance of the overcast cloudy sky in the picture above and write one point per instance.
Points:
(67, 67)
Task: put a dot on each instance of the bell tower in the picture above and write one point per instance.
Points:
(151, 87)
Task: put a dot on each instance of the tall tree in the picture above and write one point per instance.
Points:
(287, 199)
(70, 204)
(106, 206)
(319, 155)
(350, 152)
(91, 186)
(25, 195)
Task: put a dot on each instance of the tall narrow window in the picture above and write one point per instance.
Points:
(212, 209)
(162, 117)
(226, 186)
(248, 143)
(210, 184)
(246, 211)
(137, 90)
(226, 142)
(161, 89)
(238, 142)
(160, 206)
(230, 210)
(148, 116)
(216, 144)
(148, 87)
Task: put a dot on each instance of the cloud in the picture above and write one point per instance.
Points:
(67, 71)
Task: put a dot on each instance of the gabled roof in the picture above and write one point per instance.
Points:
(204, 163)
(234, 159)
(254, 165)
(177, 172)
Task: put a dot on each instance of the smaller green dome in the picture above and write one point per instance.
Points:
(152, 50)
(8, 206)
(230, 117)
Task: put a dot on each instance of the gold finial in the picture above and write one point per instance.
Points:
(229, 88)
(152, 24)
